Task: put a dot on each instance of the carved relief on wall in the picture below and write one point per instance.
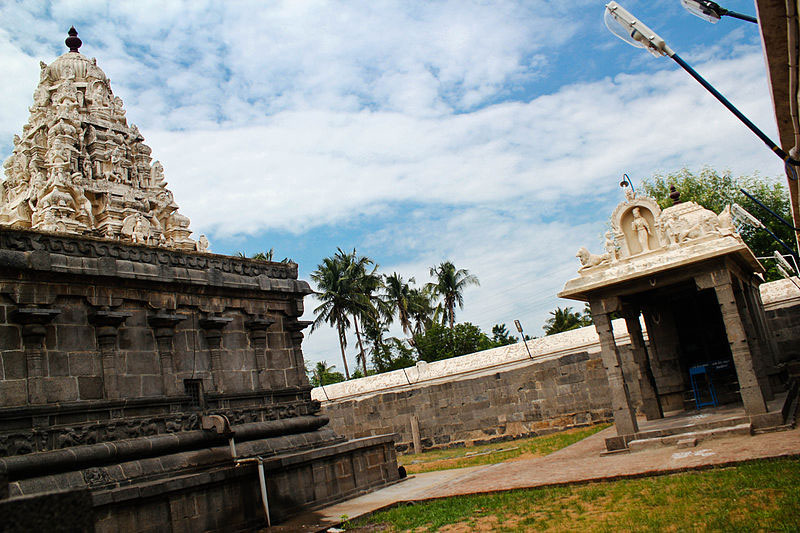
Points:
(54, 438)
(80, 168)
(641, 230)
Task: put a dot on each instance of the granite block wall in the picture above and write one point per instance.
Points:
(517, 400)
(542, 397)
(784, 323)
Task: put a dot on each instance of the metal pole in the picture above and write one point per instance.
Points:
(790, 162)
(263, 482)
(771, 212)
(740, 16)
(524, 340)
(779, 241)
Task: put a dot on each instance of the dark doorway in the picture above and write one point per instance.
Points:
(704, 352)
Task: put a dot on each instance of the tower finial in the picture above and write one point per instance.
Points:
(73, 42)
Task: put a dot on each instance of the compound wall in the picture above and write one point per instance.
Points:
(503, 393)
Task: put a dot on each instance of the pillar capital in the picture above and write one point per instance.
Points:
(34, 315)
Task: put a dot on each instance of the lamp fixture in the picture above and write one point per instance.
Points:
(634, 32)
(712, 12)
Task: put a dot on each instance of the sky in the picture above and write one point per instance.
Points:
(490, 134)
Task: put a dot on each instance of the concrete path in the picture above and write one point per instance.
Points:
(578, 463)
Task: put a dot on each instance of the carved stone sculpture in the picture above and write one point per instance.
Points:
(589, 259)
(641, 231)
(79, 168)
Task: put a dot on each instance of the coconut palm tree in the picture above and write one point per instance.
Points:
(362, 283)
(397, 295)
(565, 320)
(324, 374)
(421, 309)
(334, 292)
(449, 284)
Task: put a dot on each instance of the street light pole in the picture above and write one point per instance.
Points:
(770, 211)
(519, 328)
(631, 30)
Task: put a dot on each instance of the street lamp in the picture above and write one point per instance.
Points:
(742, 214)
(626, 182)
(636, 33)
(786, 270)
(712, 12)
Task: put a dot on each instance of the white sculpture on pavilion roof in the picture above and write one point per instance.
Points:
(645, 239)
(79, 167)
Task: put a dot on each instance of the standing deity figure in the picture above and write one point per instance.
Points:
(642, 229)
(79, 196)
(140, 232)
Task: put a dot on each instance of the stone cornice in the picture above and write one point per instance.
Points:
(21, 249)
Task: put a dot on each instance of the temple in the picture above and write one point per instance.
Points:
(146, 382)
(686, 274)
(80, 169)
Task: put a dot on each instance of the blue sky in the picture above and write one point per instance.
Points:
(492, 134)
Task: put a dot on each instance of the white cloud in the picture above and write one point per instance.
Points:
(300, 115)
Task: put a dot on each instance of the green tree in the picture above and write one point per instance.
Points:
(394, 354)
(440, 342)
(397, 295)
(421, 309)
(322, 374)
(714, 190)
(333, 290)
(501, 336)
(362, 282)
(565, 320)
(449, 285)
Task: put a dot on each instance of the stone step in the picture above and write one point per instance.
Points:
(692, 425)
(692, 438)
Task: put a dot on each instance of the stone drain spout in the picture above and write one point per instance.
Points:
(220, 425)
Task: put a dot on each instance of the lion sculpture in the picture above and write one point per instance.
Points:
(589, 260)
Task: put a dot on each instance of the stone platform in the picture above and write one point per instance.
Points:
(709, 423)
(126, 370)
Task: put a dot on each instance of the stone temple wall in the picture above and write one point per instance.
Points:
(501, 393)
(117, 359)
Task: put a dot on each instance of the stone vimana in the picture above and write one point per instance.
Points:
(80, 168)
(146, 384)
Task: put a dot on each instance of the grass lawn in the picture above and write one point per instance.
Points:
(494, 453)
(759, 496)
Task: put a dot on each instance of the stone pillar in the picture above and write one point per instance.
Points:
(33, 320)
(258, 337)
(415, 436)
(749, 387)
(106, 325)
(624, 417)
(296, 328)
(757, 336)
(212, 328)
(163, 325)
(651, 405)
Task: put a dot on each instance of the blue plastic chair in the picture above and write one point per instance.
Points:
(695, 372)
